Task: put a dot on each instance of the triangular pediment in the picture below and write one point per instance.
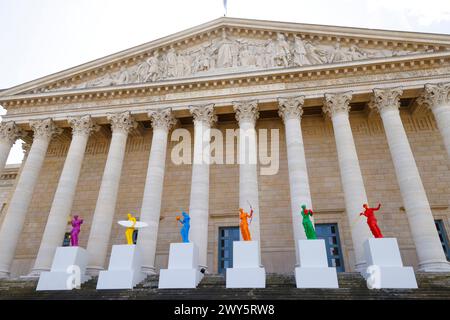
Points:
(228, 45)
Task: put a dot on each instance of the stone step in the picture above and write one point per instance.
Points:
(352, 286)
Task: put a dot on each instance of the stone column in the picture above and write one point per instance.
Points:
(428, 246)
(162, 121)
(290, 110)
(18, 207)
(204, 117)
(337, 107)
(97, 247)
(9, 133)
(246, 114)
(65, 192)
(437, 97)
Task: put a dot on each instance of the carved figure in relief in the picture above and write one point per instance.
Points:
(202, 62)
(314, 54)
(226, 49)
(171, 60)
(300, 58)
(339, 54)
(282, 54)
(122, 77)
(153, 68)
(356, 53)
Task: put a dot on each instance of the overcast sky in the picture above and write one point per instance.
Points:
(40, 37)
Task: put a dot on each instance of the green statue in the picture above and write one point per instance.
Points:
(307, 223)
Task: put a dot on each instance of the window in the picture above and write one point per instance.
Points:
(135, 236)
(330, 233)
(443, 237)
(66, 241)
(227, 235)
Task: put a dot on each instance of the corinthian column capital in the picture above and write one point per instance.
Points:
(436, 95)
(204, 114)
(122, 121)
(386, 99)
(246, 111)
(45, 129)
(162, 119)
(83, 125)
(290, 108)
(337, 103)
(10, 132)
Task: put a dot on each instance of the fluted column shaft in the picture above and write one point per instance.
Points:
(18, 207)
(337, 107)
(438, 99)
(199, 200)
(151, 203)
(290, 110)
(247, 114)
(100, 232)
(9, 133)
(65, 192)
(428, 246)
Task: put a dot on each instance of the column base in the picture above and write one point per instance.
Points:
(434, 266)
(35, 273)
(361, 267)
(94, 271)
(148, 270)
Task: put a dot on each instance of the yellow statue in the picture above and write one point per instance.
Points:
(130, 230)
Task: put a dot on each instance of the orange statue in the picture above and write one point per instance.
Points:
(244, 223)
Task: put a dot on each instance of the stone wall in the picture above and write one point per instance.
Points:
(277, 242)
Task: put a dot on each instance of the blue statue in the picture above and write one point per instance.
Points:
(186, 222)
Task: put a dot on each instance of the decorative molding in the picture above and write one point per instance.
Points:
(204, 114)
(291, 108)
(122, 122)
(162, 119)
(246, 111)
(337, 103)
(83, 125)
(44, 129)
(386, 99)
(398, 71)
(10, 132)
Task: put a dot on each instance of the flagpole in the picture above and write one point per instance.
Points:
(225, 8)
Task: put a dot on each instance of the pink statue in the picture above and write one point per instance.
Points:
(76, 228)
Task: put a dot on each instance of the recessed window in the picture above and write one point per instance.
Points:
(443, 237)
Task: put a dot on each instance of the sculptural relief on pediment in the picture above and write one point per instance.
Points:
(228, 54)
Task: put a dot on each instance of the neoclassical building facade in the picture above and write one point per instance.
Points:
(358, 116)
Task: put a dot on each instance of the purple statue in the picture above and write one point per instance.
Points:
(76, 228)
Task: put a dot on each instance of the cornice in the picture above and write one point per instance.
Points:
(372, 38)
(355, 68)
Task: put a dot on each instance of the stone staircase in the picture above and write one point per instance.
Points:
(212, 287)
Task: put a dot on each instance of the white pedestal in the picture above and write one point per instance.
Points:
(247, 271)
(124, 270)
(385, 267)
(64, 274)
(313, 271)
(183, 270)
